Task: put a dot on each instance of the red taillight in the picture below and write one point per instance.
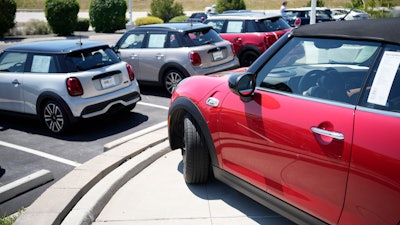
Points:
(195, 58)
(130, 72)
(74, 86)
(297, 22)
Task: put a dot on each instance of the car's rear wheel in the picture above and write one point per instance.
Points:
(55, 117)
(247, 58)
(172, 79)
(196, 159)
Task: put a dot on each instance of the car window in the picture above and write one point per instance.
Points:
(383, 88)
(13, 61)
(216, 24)
(87, 59)
(156, 40)
(234, 27)
(273, 24)
(43, 64)
(319, 68)
(202, 37)
(173, 41)
(321, 14)
(133, 40)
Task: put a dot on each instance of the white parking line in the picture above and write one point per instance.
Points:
(39, 153)
(153, 105)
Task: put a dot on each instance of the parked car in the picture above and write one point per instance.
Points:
(251, 33)
(197, 17)
(301, 16)
(349, 14)
(309, 130)
(164, 54)
(63, 81)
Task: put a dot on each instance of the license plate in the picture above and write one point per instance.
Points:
(218, 55)
(107, 82)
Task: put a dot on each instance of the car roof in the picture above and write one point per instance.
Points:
(385, 30)
(182, 27)
(246, 16)
(56, 46)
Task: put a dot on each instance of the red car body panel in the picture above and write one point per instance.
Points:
(261, 41)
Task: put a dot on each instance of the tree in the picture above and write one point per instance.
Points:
(62, 15)
(320, 3)
(165, 9)
(7, 15)
(107, 16)
(223, 5)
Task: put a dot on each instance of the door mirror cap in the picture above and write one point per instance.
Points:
(243, 85)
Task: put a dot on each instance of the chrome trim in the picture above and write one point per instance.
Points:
(332, 134)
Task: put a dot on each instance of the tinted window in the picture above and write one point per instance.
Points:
(90, 58)
(319, 68)
(43, 64)
(202, 37)
(13, 61)
(217, 24)
(274, 24)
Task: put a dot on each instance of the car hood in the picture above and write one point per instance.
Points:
(198, 87)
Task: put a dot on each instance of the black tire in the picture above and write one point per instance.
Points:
(172, 79)
(196, 159)
(55, 117)
(247, 58)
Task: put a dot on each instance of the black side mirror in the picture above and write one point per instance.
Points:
(243, 85)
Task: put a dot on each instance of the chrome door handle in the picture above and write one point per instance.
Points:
(332, 134)
(15, 82)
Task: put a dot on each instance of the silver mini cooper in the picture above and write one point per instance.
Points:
(63, 81)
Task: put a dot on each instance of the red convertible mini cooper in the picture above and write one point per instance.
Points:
(309, 130)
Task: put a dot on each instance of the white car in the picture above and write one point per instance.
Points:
(349, 14)
(63, 81)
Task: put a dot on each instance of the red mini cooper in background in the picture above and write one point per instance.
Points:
(309, 130)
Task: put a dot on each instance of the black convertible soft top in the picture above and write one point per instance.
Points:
(385, 30)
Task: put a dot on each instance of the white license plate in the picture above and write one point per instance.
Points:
(107, 82)
(218, 55)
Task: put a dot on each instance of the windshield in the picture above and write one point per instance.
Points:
(90, 58)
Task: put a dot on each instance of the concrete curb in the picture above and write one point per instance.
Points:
(54, 205)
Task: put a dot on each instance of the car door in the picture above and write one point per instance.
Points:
(291, 143)
(152, 56)
(12, 66)
(129, 48)
(374, 180)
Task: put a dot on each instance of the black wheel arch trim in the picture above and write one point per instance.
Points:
(45, 96)
(169, 66)
(176, 114)
(247, 48)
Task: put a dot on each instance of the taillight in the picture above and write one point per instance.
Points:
(130, 72)
(297, 22)
(195, 58)
(74, 86)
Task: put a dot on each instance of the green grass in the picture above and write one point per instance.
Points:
(9, 220)
(195, 5)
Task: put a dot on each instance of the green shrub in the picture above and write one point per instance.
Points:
(107, 16)
(165, 9)
(7, 15)
(148, 20)
(62, 15)
(179, 18)
(223, 5)
(82, 25)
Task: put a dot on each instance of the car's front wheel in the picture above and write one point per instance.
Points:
(55, 117)
(172, 79)
(196, 159)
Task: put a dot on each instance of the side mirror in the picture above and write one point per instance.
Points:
(243, 85)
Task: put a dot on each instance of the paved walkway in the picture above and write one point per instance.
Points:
(160, 196)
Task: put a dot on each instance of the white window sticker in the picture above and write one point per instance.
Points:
(40, 64)
(384, 78)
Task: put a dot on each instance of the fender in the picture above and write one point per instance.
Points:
(43, 97)
(171, 65)
(176, 115)
(246, 48)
